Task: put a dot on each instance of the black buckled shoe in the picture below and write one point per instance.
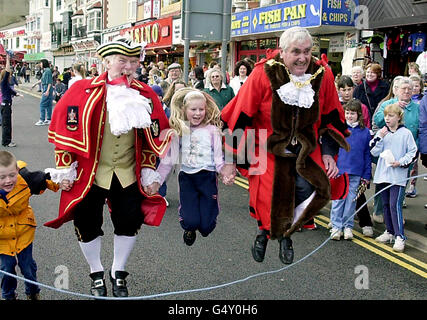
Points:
(189, 237)
(119, 284)
(286, 253)
(259, 247)
(98, 288)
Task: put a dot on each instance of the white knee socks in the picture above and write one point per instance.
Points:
(92, 252)
(123, 246)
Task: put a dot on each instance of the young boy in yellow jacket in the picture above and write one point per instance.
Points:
(17, 222)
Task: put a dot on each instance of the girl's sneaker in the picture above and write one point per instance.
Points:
(336, 234)
(368, 231)
(348, 234)
(412, 192)
(399, 244)
(386, 237)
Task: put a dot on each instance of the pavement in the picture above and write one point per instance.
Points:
(415, 214)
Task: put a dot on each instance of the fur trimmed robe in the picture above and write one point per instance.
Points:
(257, 107)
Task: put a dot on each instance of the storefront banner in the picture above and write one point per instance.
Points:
(34, 56)
(339, 12)
(302, 13)
(336, 43)
(156, 34)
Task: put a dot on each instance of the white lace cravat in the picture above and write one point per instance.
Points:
(301, 97)
(127, 109)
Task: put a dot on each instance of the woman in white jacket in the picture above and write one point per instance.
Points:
(242, 70)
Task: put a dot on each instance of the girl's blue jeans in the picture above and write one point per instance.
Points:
(342, 211)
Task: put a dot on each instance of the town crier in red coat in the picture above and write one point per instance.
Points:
(108, 132)
(284, 129)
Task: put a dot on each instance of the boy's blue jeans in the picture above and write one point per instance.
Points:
(28, 267)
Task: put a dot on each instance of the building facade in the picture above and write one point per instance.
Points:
(38, 35)
(62, 51)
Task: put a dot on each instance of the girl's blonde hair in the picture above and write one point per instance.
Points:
(396, 109)
(182, 99)
(356, 106)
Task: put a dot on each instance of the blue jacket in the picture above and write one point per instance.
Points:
(358, 160)
(6, 90)
(423, 125)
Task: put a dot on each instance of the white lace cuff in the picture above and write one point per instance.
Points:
(148, 176)
(58, 175)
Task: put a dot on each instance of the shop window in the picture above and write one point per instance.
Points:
(248, 45)
(255, 49)
(94, 20)
(267, 43)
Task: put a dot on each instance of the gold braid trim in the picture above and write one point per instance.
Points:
(298, 84)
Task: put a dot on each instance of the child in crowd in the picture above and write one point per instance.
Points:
(417, 88)
(17, 223)
(196, 119)
(396, 148)
(346, 89)
(357, 163)
(59, 89)
(158, 90)
(174, 87)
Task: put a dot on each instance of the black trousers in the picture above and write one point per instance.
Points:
(363, 214)
(6, 123)
(125, 207)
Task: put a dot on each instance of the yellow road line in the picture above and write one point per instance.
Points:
(382, 246)
(383, 254)
(366, 242)
(391, 258)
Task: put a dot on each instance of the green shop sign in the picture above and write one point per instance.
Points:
(34, 56)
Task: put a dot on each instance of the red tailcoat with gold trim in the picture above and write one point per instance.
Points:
(268, 126)
(81, 139)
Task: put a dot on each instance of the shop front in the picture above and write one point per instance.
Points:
(157, 35)
(398, 34)
(63, 57)
(255, 31)
(85, 52)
